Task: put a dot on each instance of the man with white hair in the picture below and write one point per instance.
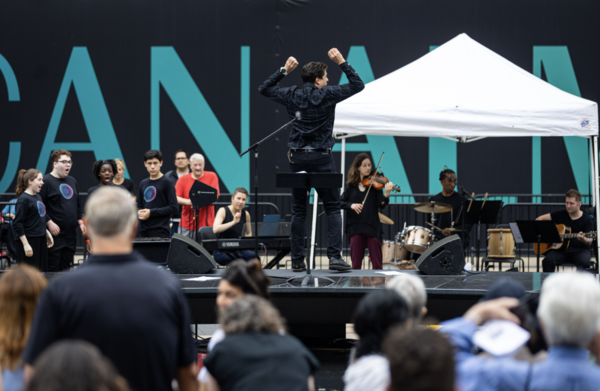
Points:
(412, 289)
(136, 314)
(569, 315)
(206, 214)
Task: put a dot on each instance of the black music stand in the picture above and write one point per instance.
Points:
(201, 195)
(309, 180)
(535, 231)
(485, 212)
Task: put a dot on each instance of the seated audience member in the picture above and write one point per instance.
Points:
(376, 313)
(118, 179)
(9, 211)
(206, 214)
(255, 355)
(240, 278)
(20, 290)
(229, 223)
(569, 314)
(412, 289)
(420, 360)
(75, 365)
(136, 314)
(156, 200)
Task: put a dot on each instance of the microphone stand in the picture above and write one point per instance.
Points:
(254, 148)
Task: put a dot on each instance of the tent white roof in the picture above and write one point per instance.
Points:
(464, 90)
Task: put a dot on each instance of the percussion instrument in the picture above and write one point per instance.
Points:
(401, 265)
(501, 243)
(417, 239)
(432, 207)
(385, 220)
(387, 251)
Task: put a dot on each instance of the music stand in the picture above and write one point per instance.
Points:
(309, 180)
(535, 231)
(201, 195)
(485, 212)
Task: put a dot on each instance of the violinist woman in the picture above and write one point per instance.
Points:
(362, 222)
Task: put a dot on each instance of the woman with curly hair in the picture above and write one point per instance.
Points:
(20, 290)
(104, 171)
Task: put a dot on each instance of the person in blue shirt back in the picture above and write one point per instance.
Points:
(569, 314)
(9, 211)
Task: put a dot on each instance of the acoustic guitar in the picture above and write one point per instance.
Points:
(565, 235)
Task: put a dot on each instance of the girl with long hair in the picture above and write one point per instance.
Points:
(362, 221)
(20, 290)
(30, 221)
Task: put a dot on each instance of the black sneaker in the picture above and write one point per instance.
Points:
(338, 264)
(298, 266)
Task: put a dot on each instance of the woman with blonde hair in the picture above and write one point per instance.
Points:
(20, 289)
(119, 180)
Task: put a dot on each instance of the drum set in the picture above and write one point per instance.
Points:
(397, 253)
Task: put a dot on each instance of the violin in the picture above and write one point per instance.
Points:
(379, 181)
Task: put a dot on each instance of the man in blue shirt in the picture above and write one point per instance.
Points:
(569, 314)
(310, 142)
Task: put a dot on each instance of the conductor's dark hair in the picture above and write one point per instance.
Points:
(376, 313)
(184, 151)
(249, 277)
(312, 71)
(153, 153)
(420, 360)
(446, 172)
(98, 165)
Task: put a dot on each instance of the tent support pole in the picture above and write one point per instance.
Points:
(596, 200)
(343, 169)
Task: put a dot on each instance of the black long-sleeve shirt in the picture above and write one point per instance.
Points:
(158, 195)
(316, 106)
(63, 206)
(30, 216)
(367, 221)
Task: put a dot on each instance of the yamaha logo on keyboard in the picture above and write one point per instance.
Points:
(231, 244)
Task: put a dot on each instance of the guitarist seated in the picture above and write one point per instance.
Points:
(577, 250)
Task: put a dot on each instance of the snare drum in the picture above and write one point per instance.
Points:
(387, 251)
(417, 239)
(501, 243)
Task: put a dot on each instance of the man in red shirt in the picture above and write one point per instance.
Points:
(206, 215)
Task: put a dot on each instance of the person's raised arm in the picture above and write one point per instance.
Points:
(354, 85)
(269, 87)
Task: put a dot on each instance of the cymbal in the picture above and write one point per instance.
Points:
(432, 207)
(385, 220)
(442, 229)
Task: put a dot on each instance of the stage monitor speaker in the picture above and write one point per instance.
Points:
(155, 250)
(188, 257)
(445, 257)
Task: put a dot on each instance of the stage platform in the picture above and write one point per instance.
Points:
(324, 311)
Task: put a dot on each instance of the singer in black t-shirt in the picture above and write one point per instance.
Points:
(156, 199)
(578, 249)
(32, 237)
(63, 211)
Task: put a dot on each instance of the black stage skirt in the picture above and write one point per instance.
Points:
(39, 259)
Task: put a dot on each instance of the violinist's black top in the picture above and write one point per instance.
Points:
(367, 222)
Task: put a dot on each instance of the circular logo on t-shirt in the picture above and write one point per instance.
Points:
(149, 193)
(41, 208)
(66, 191)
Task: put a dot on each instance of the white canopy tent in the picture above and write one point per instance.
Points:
(464, 92)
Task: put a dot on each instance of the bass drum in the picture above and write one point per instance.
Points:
(401, 265)
(387, 251)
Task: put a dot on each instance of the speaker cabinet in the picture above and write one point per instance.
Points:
(188, 257)
(155, 250)
(445, 257)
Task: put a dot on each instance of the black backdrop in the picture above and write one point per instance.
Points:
(37, 39)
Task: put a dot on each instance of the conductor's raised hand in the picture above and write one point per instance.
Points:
(290, 64)
(336, 56)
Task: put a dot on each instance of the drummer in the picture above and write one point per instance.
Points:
(362, 222)
(452, 198)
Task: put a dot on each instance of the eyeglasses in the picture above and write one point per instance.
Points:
(65, 162)
(181, 158)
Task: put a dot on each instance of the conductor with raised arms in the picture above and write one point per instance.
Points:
(310, 142)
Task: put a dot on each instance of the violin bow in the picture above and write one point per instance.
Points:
(372, 179)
